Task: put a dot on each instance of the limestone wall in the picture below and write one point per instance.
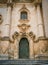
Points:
(4, 26)
(45, 15)
(10, 26)
(15, 19)
(31, 17)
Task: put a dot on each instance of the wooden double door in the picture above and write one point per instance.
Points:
(24, 48)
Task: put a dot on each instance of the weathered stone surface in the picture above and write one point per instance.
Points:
(13, 29)
(45, 15)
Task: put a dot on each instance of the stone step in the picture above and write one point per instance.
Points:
(23, 62)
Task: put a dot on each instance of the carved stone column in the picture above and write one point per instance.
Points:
(40, 22)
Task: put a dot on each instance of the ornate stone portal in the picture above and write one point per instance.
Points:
(17, 36)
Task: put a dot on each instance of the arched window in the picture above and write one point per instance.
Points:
(23, 15)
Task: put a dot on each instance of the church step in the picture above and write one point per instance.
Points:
(24, 62)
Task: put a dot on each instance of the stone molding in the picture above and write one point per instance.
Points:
(6, 38)
(24, 1)
(23, 21)
(16, 34)
(10, 3)
(24, 8)
(24, 34)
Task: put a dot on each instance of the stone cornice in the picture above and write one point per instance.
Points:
(10, 3)
(6, 39)
(37, 2)
(22, 1)
(42, 38)
(5, 3)
(17, 34)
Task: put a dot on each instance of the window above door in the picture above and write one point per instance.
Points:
(24, 15)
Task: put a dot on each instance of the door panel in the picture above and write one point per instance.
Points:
(24, 48)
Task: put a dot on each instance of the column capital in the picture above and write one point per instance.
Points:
(38, 2)
(10, 3)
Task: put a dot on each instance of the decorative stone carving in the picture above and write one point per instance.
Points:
(19, 1)
(45, 48)
(5, 38)
(10, 3)
(23, 27)
(23, 34)
(24, 21)
(26, 0)
(11, 53)
(38, 1)
(24, 8)
(32, 35)
(16, 34)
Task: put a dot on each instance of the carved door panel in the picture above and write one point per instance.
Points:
(24, 48)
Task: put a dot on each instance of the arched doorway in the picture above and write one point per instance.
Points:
(24, 48)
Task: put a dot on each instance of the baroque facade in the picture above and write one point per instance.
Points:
(23, 29)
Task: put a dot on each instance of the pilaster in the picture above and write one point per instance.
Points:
(40, 22)
(9, 21)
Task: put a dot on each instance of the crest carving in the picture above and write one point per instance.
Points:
(23, 27)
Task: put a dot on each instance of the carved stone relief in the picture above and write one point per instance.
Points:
(23, 27)
(44, 48)
(17, 36)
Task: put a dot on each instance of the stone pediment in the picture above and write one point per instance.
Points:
(24, 8)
